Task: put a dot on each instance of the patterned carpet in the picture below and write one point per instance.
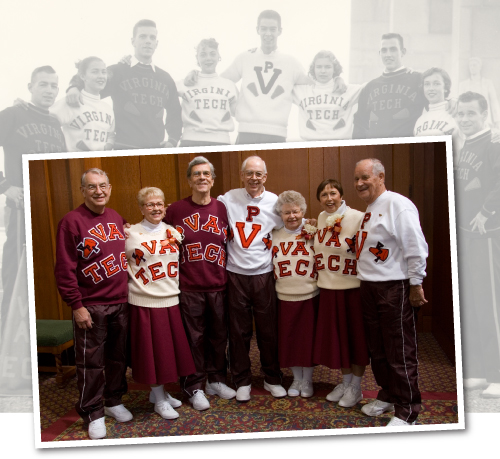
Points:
(60, 422)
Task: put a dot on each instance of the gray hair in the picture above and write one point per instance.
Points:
(148, 191)
(93, 170)
(290, 197)
(244, 164)
(196, 162)
(377, 166)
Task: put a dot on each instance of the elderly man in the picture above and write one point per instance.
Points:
(91, 275)
(391, 257)
(477, 184)
(251, 291)
(203, 222)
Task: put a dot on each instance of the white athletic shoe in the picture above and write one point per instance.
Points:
(165, 410)
(294, 389)
(396, 422)
(377, 407)
(336, 394)
(277, 390)
(475, 383)
(174, 403)
(492, 391)
(199, 401)
(307, 389)
(220, 389)
(243, 393)
(119, 412)
(97, 429)
(352, 395)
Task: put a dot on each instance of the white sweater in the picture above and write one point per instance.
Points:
(251, 221)
(390, 244)
(93, 122)
(293, 262)
(153, 268)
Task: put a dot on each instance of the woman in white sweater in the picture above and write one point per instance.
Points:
(160, 350)
(293, 260)
(339, 340)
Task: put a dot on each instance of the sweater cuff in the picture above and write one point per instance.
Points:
(416, 281)
(76, 305)
(4, 184)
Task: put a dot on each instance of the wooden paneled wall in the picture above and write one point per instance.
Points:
(417, 171)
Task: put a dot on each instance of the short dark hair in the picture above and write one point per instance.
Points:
(43, 68)
(388, 36)
(333, 183)
(143, 23)
(444, 74)
(470, 96)
(337, 68)
(269, 14)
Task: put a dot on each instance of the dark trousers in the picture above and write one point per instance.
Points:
(205, 321)
(100, 355)
(390, 330)
(253, 297)
(245, 138)
(479, 273)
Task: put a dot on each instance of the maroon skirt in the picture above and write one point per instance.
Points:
(340, 340)
(297, 320)
(160, 349)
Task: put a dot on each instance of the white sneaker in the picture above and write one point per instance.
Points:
(377, 407)
(199, 401)
(243, 393)
(352, 395)
(97, 429)
(294, 389)
(492, 391)
(396, 422)
(174, 403)
(277, 390)
(165, 410)
(336, 394)
(220, 389)
(119, 412)
(307, 389)
(475, 383)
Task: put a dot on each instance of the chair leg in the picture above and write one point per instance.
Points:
(59, 369)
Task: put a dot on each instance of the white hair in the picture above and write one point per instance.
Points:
(244, 165)
(377, 166)
(93, 170)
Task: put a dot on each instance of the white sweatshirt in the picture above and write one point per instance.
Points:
(251, 221)
(92, 123)
(390, 244)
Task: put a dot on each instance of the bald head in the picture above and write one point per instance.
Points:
(254, 175)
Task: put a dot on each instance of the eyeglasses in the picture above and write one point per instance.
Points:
(199, 173)
(250, 174)
(292, 212)
(152, 205)
(102, 186)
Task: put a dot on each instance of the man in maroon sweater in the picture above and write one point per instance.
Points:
(91, 275)
(203, 221)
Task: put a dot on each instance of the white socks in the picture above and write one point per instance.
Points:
(297, 373)
(347, 378)
(159, 393)
(356, 380)
(307, 373)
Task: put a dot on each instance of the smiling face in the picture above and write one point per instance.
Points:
(323, 69)
(201, 180)
(330, 199)
(369, 186)
(153, 209)
(434, 88)
(292, 215)
(254, 177)
(145, 43)
(470, 118)
(391, 54)
(269, 31)
(208, 58)
(96, 192)
(95, 77)
(44, 89)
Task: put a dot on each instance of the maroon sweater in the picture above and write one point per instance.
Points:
(203, 256)
(91, 267)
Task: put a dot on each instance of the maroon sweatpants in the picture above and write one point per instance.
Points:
(252, 296)
(100, 355)
(205, 322)
(392, 342)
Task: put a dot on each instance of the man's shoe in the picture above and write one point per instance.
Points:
(377, 407)
(97, 429)
(119, 412)
(277, 390)
(294, 389)
(199, 401)
(336, 394)
(165, 410)
(307, 389)
(174, 403)
(243, 393)
(396, 422)
(220, 389)
(352, 395)
(492, 391)
(475, 383)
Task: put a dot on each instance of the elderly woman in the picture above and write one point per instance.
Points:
(293, 260)
(339, 341)
(160, 350)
